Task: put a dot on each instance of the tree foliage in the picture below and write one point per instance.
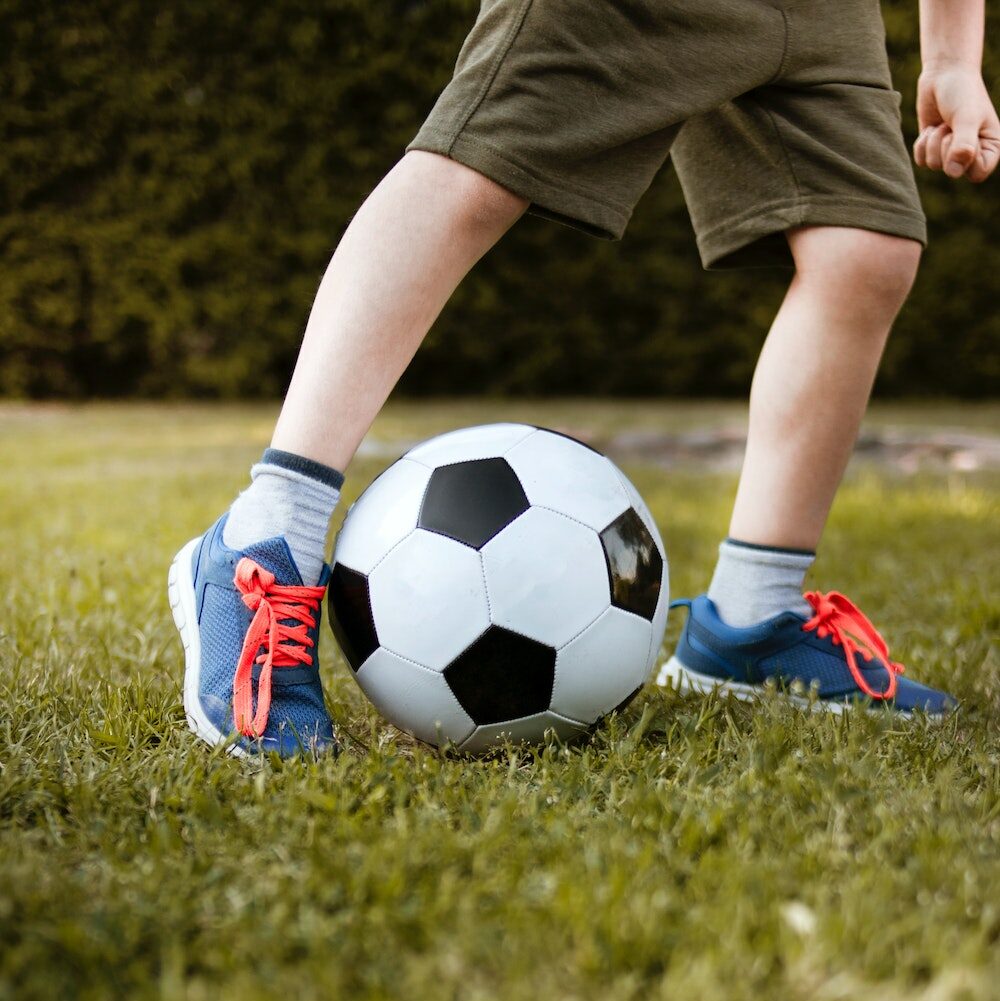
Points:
(174, 177)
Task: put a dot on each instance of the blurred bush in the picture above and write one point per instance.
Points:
(174, 177)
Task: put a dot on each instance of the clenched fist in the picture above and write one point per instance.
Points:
(959, 129)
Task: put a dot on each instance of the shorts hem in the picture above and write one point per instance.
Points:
(550, 200)
(748, 240)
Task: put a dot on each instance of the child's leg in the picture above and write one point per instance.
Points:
(410, 244)
(814, 377)
(809, 393)
(755, 628)
(406, 250)
(422, 229)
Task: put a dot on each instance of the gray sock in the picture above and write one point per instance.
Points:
(290, 496)
(753, 583)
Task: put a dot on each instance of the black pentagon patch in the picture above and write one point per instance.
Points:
(635, 565)
(471, 502)
(502, 676)
(351, 615)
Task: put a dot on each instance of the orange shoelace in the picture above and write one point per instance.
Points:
(284, 645)
(837, 616)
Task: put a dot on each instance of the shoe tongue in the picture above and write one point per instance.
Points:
(274, 555)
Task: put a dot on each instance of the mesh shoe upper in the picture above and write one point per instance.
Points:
(298, 718)
(782, 650)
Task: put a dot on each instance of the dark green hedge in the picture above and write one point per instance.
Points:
(173, 179)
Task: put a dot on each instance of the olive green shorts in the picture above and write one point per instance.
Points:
(778, 113)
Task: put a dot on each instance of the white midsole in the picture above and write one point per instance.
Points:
(683, 679)
(180, 590)
(675, 675)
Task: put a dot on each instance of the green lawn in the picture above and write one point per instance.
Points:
(692, 850)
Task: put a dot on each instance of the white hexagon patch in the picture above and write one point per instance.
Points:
(428, 599)
(528, 729)
(546, 576)
(561, 474)
(414, 698)
(602, 666)
(482, 442)
(382, 517)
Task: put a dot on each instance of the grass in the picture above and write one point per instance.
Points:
(693, 848)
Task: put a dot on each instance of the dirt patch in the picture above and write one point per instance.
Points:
(906, 451)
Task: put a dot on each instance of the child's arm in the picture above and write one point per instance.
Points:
(959, 129)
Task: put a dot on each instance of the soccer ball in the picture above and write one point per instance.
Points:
(498, 582)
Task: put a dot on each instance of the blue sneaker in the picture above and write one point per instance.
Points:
(833, 661)
(250, 629)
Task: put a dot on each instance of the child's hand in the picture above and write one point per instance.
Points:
(959, 129)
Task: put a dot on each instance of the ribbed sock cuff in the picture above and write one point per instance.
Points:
(306, 467)
(769, 549)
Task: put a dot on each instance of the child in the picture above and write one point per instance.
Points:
(785, 132)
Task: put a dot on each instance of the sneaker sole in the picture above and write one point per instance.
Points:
(682, 679)
(180, 590)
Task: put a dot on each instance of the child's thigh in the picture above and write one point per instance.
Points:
(821, 143)
(780, 157)
(574, 104)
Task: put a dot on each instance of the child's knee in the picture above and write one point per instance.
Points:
(890, 264)
(860, 264)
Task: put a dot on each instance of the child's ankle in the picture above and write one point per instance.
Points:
(292, 497)
(753, 583)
